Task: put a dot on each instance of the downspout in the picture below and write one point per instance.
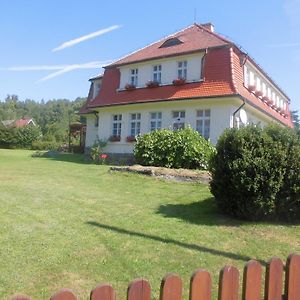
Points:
(239, 108)
(202, 64)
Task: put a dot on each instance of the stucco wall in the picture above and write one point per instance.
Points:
(91, 130)
(169, 70)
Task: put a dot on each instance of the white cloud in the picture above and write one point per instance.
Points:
(60, 69)
(85, 37)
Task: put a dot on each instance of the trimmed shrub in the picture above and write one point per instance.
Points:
(255, 173)
(184, 148)
(45, 145)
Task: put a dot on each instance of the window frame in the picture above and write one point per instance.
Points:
(179, 120)
(118, 123)
(201, 120)
(134, 76)
(136, 121)
(157, 73)
(155, 120)
(182, 69)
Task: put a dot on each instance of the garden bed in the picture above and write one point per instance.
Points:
(167, 173)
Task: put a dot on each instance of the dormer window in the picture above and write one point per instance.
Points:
(97, 87)
(171, 42)
(157, 73)
(182, 69)
(134, 77)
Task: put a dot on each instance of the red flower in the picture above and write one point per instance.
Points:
(103, 156)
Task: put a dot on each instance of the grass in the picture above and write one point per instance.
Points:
(70, 224)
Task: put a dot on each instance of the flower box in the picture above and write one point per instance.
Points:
(258, 93)
(152, 84)
(130, 139)
(178, 81)
(130, 87)
(265, 99)
(270, 102)
(252, 88)
(114, 138)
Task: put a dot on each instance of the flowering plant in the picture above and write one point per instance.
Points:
(130, 87)
(130, 139)
(114, 138)
(102, 158)
(152, 84)
(251, 88)
(178, 81)
(258, 93)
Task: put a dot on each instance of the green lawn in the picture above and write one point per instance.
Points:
(70, 224)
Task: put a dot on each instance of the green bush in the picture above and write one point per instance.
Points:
(45, 145)
(183, 148)
(255, 173)
(96, 152)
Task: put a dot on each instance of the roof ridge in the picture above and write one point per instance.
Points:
(157, 41)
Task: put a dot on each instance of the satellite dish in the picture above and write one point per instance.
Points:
(243, 116)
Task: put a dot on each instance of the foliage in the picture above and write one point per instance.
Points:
(296, 121)
(255, 173)
(23, 137)
(52, 116)
(96, 151)
(45, 145)
(183, 148)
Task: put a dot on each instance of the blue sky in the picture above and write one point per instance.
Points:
(30, 30)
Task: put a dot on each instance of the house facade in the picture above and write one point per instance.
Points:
(194, 77)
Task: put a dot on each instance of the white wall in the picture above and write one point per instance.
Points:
(91, 130)
(169, 70)
(221, 111)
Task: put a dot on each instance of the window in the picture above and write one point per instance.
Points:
(178, 119)
(97, 87)
(182, 69)
(96, 120)
(135, 124)
(117, 125)
(134, 77)
(203, 122)
(155, 121)
(157, 73)
(171, 42)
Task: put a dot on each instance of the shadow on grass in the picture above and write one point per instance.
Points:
(63, 157)
(202, 213)
(189, 246)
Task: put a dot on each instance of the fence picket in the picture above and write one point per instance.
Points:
(229, 284)
(200, 286)
(292, 281)
(171, 287)
(252, 280)
(64, 294)
(139, 289)
(103, 292)
(273, 283)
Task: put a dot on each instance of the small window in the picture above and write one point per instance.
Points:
(97, 120)
(203, 122)
(97, 87)
(117, 125)
(155, 121)
(171, 42)
(182, 69)
(178, 119)
(157, 73)
(135, 124)
(134, 77)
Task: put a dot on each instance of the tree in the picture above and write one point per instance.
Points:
(296, 121)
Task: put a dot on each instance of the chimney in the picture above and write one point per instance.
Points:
(209, 26)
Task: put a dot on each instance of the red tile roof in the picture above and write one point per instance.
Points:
(222, 74)
(193, 38)
(22, 122)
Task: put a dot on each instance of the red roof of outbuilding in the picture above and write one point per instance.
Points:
(22, 122)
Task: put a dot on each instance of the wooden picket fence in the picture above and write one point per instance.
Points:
(200, 284)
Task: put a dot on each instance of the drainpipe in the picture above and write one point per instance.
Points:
(239, 108)
(202, 64)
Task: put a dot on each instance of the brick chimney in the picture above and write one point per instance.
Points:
(209, 26)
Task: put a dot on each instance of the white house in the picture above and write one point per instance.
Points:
(194, 77)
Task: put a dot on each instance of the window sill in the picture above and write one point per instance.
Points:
(162, 84)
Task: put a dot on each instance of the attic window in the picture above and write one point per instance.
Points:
(171, 42)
